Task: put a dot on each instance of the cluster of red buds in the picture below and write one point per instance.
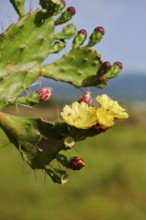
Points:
(106, 66)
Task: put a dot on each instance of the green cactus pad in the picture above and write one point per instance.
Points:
(24, 47)
(79, 67)
(39, 141)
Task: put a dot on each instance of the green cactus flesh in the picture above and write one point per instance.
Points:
(23, 48)
(40, 141)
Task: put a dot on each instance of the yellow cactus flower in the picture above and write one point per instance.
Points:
(112, 106)
(79, 115)
(104, 118)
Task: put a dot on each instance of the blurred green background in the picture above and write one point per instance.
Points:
(111, 186)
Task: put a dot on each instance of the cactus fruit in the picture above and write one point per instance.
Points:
(21, 64)
(119, 64)
(77, 163)
(45, 93)
(86, 97)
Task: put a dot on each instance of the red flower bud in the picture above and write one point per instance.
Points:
(63, 2)
(119, 64)
(100, 29)
(83, 31)
(72, 10)
(107, 65)
(45, 93)
(77, 163)
(102, 79)
(86, 97)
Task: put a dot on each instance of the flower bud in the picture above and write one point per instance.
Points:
(107, 65)
(77, 163)
(83, 31)
(119, 64)
(102, 79)
(96, 36)
(66, 16)
(86, 97)
(79, 38)
(72, 10)
(100, 30)
(45, 93)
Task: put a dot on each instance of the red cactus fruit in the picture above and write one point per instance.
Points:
(107, 65)
(77, 163)
(102, 79)
(72, 10)
(119, 64)
(86, 97)
(100, 29)
(83, 31)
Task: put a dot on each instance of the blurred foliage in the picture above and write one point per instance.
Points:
(111, 186)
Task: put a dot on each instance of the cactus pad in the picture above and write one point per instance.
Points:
(23, 48)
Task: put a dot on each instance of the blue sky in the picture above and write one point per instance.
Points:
(124, 23)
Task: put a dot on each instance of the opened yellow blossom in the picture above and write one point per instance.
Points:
(112, 106)
(79, 115)
(104, 118)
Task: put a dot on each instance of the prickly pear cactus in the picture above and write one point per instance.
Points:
(23, 48)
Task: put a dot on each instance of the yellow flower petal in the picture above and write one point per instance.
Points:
(79, 115)
(112, 106)
(104, 118)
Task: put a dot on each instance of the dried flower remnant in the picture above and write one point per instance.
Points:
(69, 142)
